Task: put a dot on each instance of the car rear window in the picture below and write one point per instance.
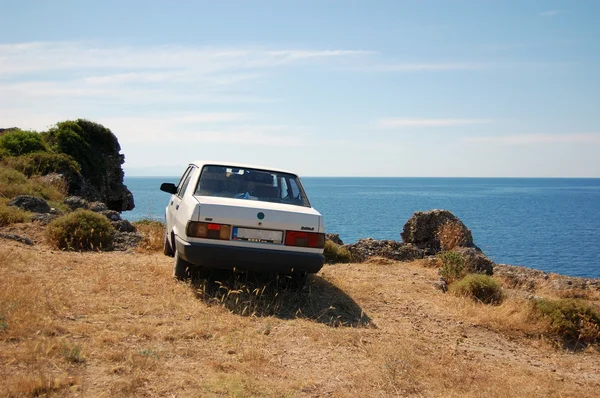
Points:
(251, 184)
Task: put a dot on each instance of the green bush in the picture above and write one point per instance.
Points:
(11, 215)
(13, 183)
(42, 163)
(81, 230)
(572, 320)
(482, 288)
(453, 266)
(335, 253)
(19, 142)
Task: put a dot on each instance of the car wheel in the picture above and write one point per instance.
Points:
(181, 268)
(167, 248)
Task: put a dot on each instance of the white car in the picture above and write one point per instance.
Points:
(234, 216)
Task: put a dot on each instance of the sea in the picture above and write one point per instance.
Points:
(547, 224)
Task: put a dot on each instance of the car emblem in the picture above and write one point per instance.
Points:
(260, 215)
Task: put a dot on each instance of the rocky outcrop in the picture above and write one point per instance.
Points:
(394, 250)
(30, 203)
(111, 215)
(423, 229)
(96, 149)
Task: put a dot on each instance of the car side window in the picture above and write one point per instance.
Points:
(294, 190)
(185, 180)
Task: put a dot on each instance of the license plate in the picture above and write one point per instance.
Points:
(257, 235)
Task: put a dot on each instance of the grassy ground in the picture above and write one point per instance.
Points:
(117, 324)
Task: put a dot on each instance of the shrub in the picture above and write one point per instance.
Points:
(482, 288)
(572, 320)
(19, 142)
(453, 266)
(13, 183)
(81, 230)
(335, 253)
(11, 215)
(42, 163)
(451, 236)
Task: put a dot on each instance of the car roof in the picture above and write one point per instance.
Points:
(201, 163)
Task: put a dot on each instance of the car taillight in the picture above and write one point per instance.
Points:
(305, 239)
(208, 230)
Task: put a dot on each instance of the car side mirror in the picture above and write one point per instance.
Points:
(168, 187)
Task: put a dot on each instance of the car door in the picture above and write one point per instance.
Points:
(175, 201)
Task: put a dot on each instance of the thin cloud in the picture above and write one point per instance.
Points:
(531, 139)
(428, 67)
(395, 123)
(550, 13)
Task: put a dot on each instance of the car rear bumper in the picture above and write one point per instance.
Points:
(228, 257)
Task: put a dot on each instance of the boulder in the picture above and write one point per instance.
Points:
(111, 215)
(335, 238)
(123, 226)
(391, 249)
(30, 203)
(423, 230)
(126, 240)
(76, 202)
(476, 261)
(44, 218)
(22, 239)
(98, 207)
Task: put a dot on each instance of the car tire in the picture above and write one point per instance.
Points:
(181, 268)
(167, 248)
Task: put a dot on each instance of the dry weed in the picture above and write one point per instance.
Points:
(451, 236)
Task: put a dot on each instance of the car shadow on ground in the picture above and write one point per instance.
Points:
(260, 294)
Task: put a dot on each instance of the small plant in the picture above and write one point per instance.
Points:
(3, 323)
(482, 288)
(335, 253)
(147, 352)
(572, 320)
(72, 352)
(453, 266)
(451, 236)
(81, 230)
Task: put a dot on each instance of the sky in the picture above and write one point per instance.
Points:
(445, 88)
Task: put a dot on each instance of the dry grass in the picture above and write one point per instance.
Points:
(13, 183)
(451, 236)
(153, 233)
(117, 324)
(10, 214)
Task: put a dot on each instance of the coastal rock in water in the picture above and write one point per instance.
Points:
(123, 226)
(98, 207)
(422, 230)
(390, 249)
(335, 238)
(476, 261)
(30, 203)
(76, 202)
